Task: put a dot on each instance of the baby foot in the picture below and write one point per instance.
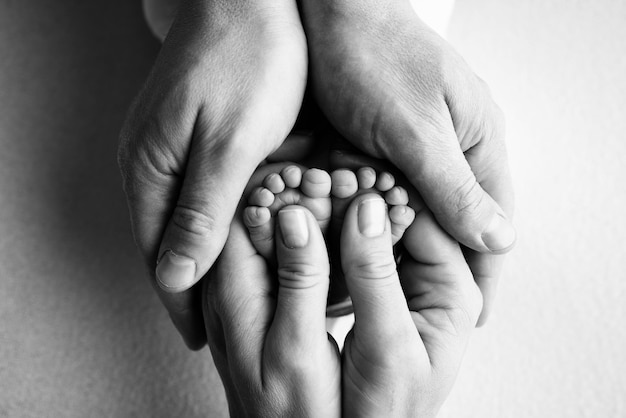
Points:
(285, 184)
(346, 187)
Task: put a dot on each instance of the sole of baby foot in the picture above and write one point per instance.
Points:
(281, 185)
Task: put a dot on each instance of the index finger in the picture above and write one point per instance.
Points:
(443, 299)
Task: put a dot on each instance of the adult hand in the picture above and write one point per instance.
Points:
(403, 354)
(267, 333)
(267, 330)
(398, 91)
(223, 94)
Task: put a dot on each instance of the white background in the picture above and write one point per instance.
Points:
(556, 346)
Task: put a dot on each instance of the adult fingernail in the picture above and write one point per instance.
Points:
(294, 227)
(372, 215)
(175, 272)
(499, 235)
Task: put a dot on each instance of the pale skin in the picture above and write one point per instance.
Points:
(266, 323)
(198, 129)
(398, 91)
(326, 196)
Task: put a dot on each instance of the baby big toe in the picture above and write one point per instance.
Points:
(316, 183)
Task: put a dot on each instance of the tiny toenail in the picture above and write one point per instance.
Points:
(372, 215)
(294, 227)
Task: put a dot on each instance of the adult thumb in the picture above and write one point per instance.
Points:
(303, 277)
(213, 184)
(380, 307)
(453, 193)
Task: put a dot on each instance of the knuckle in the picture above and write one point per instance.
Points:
(377, 266)
(193, 221)
(466, 199)
(493, 118)
(498, 122)
(462, 320)
(491, 125)
(126, 145)
(299, 275)
(145, 143)
(483, 86)
(144, 160)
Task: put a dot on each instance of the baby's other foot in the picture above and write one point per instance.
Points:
(346, 186)
(280, 185)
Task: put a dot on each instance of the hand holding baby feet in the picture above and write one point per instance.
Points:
(275, 186)
(347, 186)
(411, 329)
(205, 118)
(266, 324)
(398, 91)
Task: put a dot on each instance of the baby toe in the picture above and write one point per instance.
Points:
(274, 183)
(344, 183)
(397, 195)
(366, 177)
(385, 181)
(315, 183)
(255, 216)
(292, 176)
(260, 226)
(261, 196)
(401, 218)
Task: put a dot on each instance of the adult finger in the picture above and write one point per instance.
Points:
(239, 307)
(303, 278)
(273, 328)
(380, 307)
(151, 180)
(489, 163)
(486, 268)
(437, 167)
(442, 296)
(199, 223)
